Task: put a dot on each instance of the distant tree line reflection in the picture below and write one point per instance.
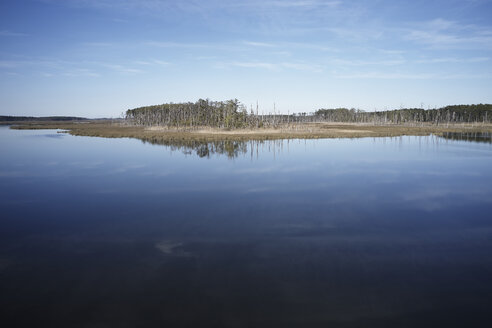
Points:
(469, 136)
(229, 148)
(236, 148)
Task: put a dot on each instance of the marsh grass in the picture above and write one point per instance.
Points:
(118, 129)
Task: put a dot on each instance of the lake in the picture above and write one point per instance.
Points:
(383, 232)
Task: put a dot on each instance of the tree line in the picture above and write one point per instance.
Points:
(231, 114)
(45, 118)
(221, 114)
(449, 114)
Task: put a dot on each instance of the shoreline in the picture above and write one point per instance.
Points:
(117, 129)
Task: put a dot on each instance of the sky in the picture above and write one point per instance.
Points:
(98, 58)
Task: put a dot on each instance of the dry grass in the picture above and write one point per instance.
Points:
(110, 129)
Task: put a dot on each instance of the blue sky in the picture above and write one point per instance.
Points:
(97, 58)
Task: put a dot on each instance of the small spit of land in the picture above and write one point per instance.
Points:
(205, 120)
(119, 129)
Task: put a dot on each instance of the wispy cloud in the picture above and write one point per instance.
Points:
(9, 64)
(385, 76)
(269, 66)
(320, 46)
(10, 33)
(168, 44)
(303, 67)
(358, 62)
(153, 5)
(278, 66)
(110, 4)
(353, 32)
(301, 4)
(77, 72)
(55, 67)
(241, 46)
(391, 51)
(27, 62)
(12, 74)
(100, 44)
(123, 69)
(410, 76)
(440, 33)
(259, 44)
(452, 60)
(153, 62)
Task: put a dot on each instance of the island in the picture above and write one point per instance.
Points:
(206, 120)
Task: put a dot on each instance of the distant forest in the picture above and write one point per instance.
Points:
(232, 114)
(448, 114)
(46, 118)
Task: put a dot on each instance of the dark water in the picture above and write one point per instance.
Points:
(319, 233)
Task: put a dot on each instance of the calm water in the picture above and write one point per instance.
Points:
(387, 232)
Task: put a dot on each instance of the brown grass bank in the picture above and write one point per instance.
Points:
(118, 129)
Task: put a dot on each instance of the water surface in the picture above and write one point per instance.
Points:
(385, 232)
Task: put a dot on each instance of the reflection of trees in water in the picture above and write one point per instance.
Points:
(229, 148)
(235, 148)
(469, 136)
